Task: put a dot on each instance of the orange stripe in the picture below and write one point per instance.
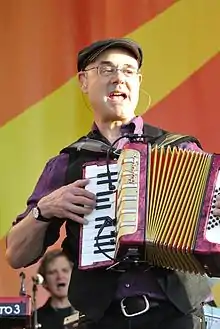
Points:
(193, 107)
(40, 40)
(10, 275)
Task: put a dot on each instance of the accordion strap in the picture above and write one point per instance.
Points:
(87, 144)
(155, 136)
(170, 139)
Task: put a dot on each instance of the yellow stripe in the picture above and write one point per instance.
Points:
(176, 43)
(28, 141)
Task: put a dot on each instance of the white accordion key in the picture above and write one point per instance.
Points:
(101, 218)
(212, 232)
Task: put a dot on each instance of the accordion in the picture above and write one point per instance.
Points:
(160, 211)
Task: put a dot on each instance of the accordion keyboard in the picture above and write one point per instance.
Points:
(103, 216)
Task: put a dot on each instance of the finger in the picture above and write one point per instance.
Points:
(81, 200)
(80, 183)
(218, 197)
(75, 218)
(216, 211)
(82, 192)
(78, 209)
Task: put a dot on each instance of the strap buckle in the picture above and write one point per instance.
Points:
(145, 309)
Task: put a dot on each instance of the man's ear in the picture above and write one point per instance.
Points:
(140, 78)
(83, 82)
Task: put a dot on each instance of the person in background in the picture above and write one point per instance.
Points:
(55, 268)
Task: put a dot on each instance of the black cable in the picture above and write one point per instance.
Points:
(109, 221)
(132, 138)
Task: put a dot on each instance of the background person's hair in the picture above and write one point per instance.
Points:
(48, 258)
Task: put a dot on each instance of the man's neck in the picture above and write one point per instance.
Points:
(59, 303)
(110, 130)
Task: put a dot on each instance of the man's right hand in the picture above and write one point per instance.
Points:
(69, 201)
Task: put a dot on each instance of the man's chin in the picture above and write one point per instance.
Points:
(62, 293)
(118, 112)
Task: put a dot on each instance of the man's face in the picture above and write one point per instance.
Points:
(58, 277)
(113, 88)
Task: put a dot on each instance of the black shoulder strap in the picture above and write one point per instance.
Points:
(170, 139)
(163, 138)
(154, 135)
(87, 143)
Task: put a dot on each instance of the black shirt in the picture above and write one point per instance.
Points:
(50, 317)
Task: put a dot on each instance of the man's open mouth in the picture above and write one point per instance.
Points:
(116, 95)
(61, 284)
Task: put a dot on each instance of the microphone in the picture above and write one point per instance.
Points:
(38, 279)
(22, 291)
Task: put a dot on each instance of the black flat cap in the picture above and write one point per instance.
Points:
(88, 54)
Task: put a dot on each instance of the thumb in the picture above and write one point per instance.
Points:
(80, 183)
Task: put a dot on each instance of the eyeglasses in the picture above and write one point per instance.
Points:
(106, 70)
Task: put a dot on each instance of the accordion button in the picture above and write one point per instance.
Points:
(127, 285)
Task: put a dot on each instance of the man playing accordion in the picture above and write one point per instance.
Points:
(133, 296)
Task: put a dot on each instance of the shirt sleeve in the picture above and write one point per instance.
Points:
(52, 178)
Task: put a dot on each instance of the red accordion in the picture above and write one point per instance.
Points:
(161, 211)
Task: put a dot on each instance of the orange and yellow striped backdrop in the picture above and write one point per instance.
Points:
(42, 109)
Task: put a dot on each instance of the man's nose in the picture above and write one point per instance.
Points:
(118, 77)
(59, 275)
